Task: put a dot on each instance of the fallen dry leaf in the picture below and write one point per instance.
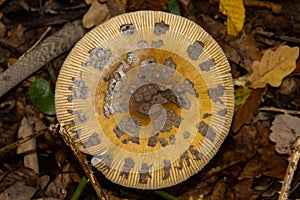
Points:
(30, 159)
(58, 187)
(253, 168)
(15, 36)
(147, 5)
(289, 85)
(242, 51)
(243, 190)
(96, 14)
(116, 7)
(285, 129)
(235, 12)
(274, 66)
(248, 109)
(2, 30)
(18, 191)
(21, 174)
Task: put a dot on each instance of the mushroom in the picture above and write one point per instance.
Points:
(149, 95)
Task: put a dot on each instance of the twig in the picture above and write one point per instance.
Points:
(82, 161)
(38, 41)
(46, 51)
(286, 184)
(260, 31)
(272, 109)
(19, 142)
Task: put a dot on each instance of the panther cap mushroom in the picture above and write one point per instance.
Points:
(149, 95)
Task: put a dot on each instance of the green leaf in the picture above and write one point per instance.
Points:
(42, 96)
(173, 7)
(240, 95)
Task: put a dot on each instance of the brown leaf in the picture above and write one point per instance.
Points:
(297, 70)
(134, 5)
(58, 187)
(21, 174)
(116, 7)
(219, 191)
(2, 1)
(243, 51)
(244, 114)
(274, 163)
(96, 14)
(253, 169)
(2, 30)
(285, 129)
(243, 190)
(15, 37)
(18, 191)
(274, 66)
(30, 159)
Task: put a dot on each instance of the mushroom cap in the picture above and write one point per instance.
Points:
(149, 95)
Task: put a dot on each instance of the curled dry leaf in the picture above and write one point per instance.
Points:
(235, 12)
(285, 130)
(96, 14)
(274, 66)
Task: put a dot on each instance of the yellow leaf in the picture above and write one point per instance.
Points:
(235, 12)
(274, 66)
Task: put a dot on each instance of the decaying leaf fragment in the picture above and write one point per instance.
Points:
(235, 12)
(274, 66)
(285, 130)
(244, 114)
(97, 13)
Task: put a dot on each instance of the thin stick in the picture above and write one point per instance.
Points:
(262, 32)
(46, 51)
(294, 159)
(19, 142)
(82, 161)
(38, 41)
(272, 109)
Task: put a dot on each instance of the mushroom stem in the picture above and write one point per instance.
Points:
(50, 48)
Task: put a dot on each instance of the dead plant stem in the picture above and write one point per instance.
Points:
(272, 109)
(293, 162)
